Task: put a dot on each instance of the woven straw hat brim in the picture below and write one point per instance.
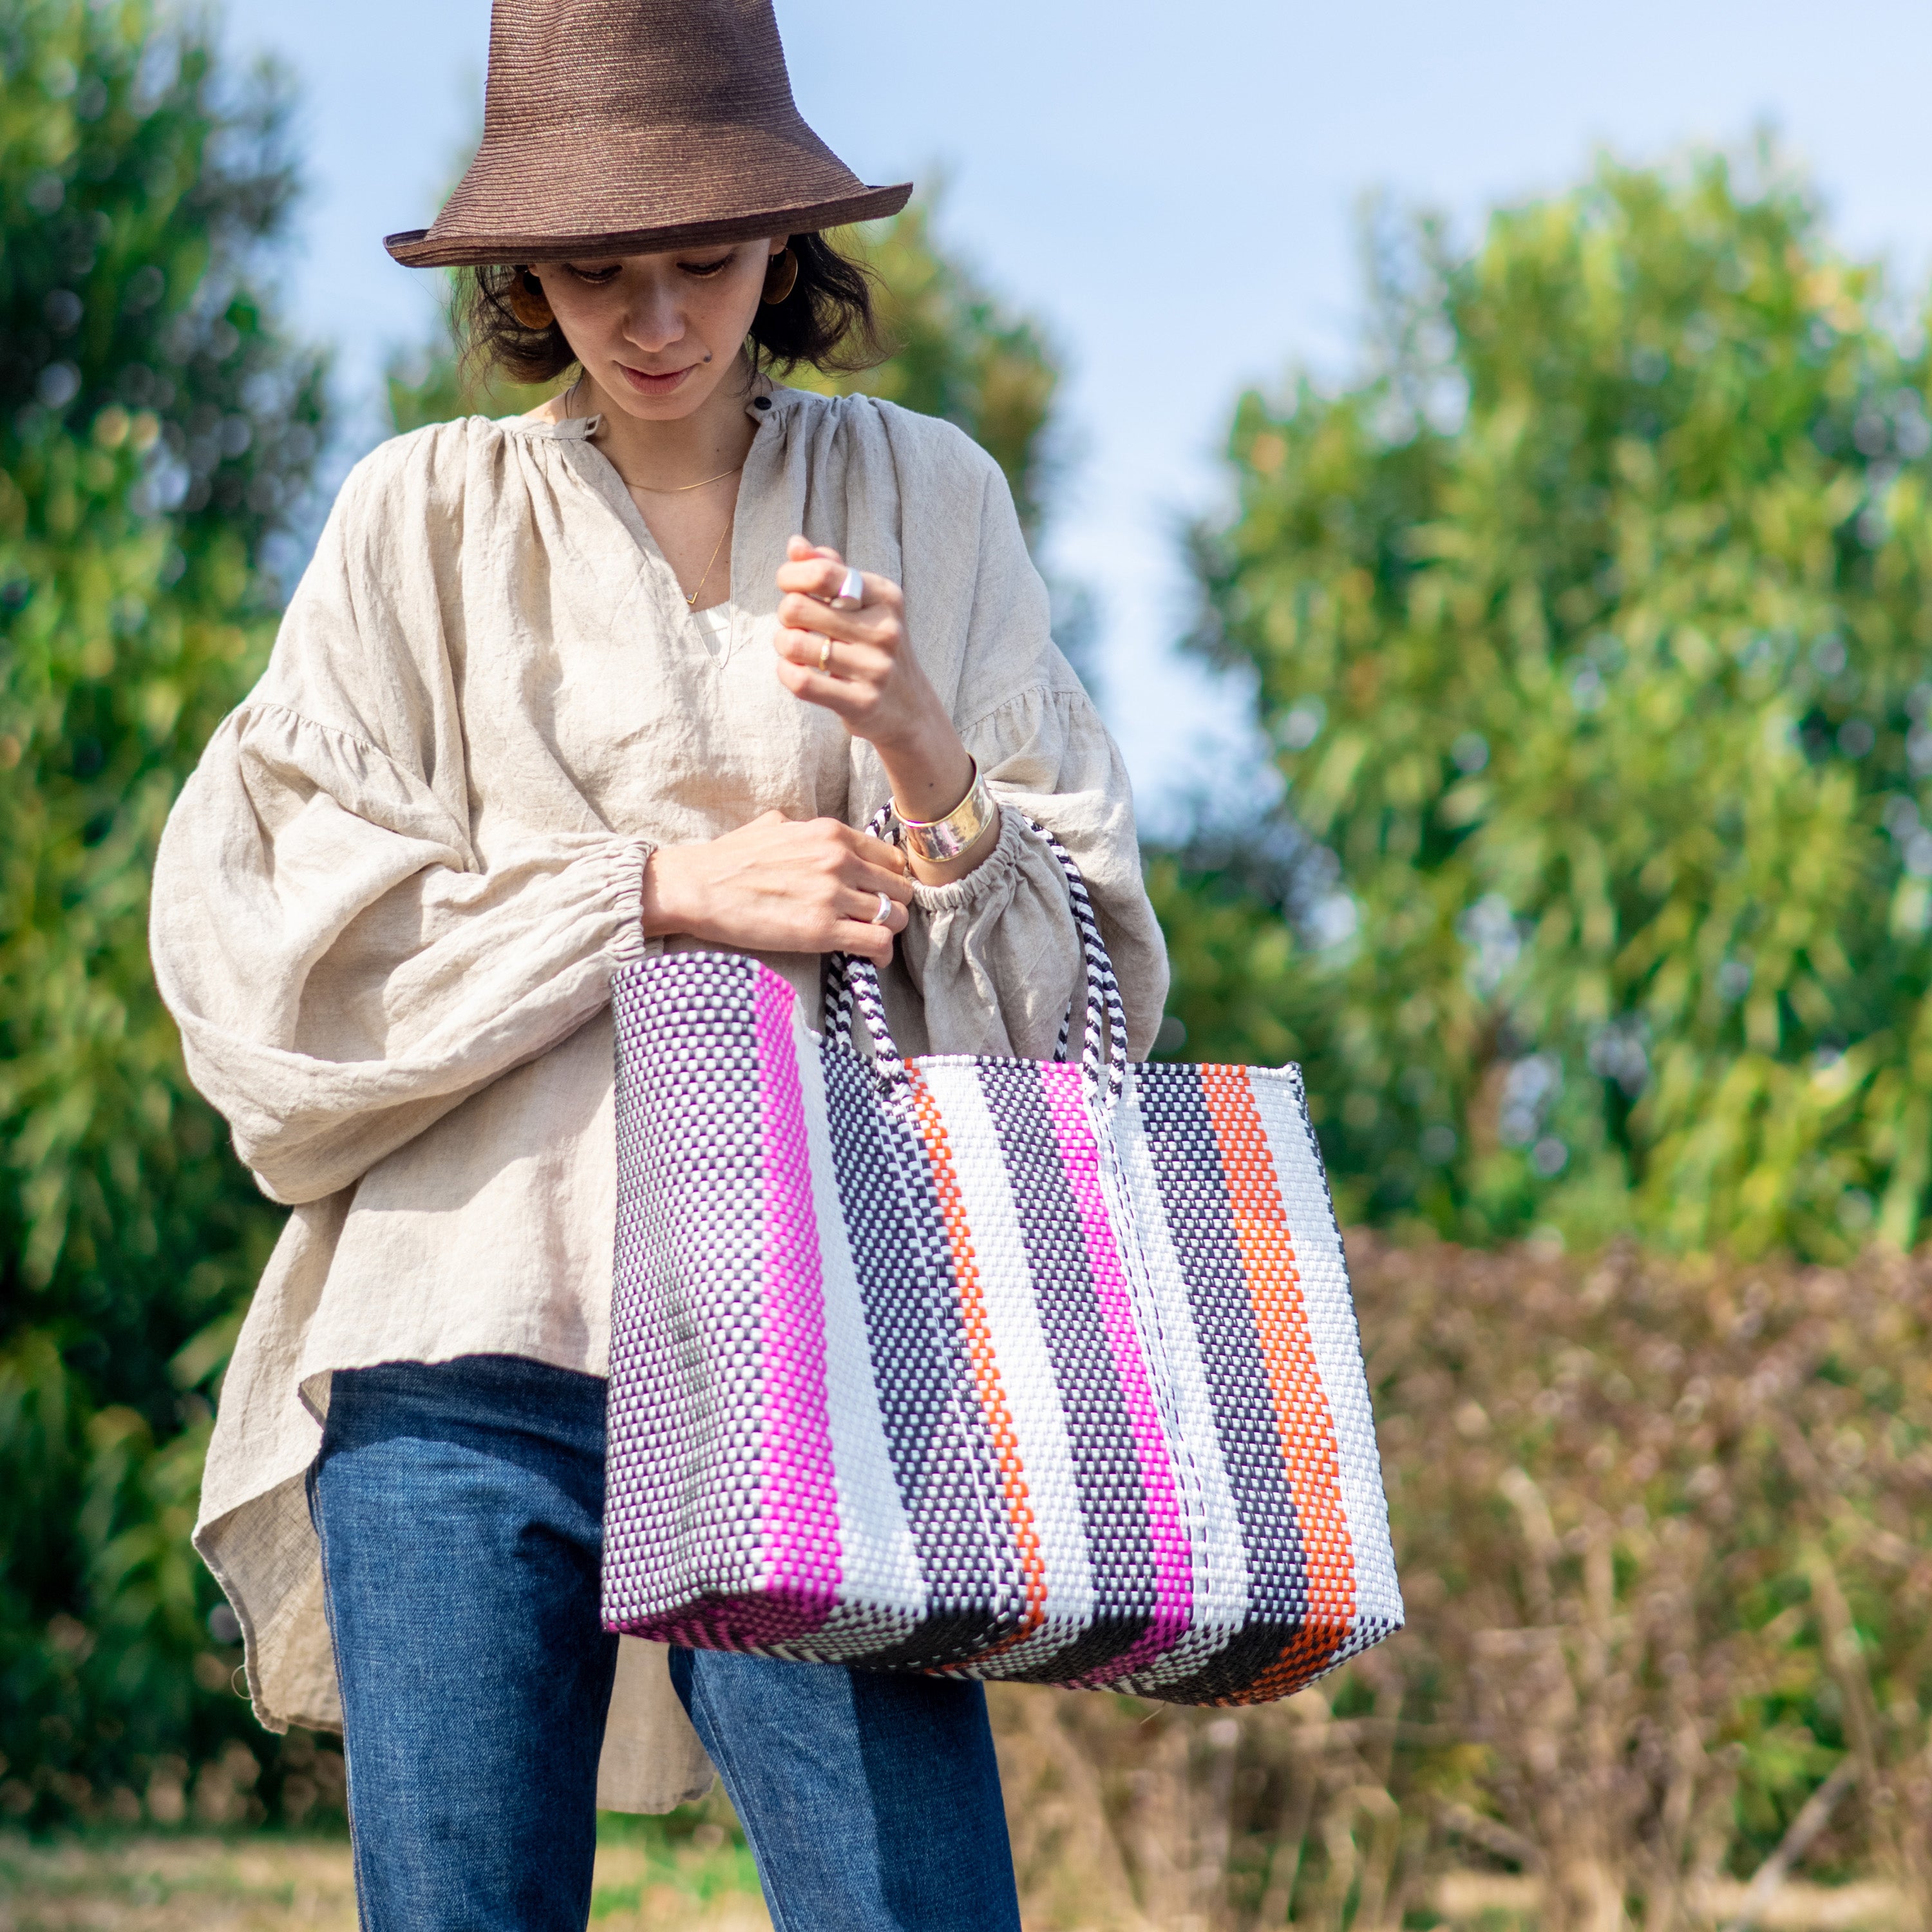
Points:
(636, 126)
(632, 126)
(451, 247)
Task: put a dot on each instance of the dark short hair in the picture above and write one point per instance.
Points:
(827, 321)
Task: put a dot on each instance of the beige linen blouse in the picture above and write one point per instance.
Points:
(389, 902)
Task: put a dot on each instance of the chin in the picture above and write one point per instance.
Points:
(689, 395)
(656, 408)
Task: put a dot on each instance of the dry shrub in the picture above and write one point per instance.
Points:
(1662, 1532)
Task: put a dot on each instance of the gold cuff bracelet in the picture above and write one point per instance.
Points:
(939, 841)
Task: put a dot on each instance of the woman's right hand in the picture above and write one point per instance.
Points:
(780, 885)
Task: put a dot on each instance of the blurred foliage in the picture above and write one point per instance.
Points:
(1661, 1534)
(955, 352)
(156, 429)
(1590, 630)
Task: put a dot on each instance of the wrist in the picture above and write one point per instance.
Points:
(930, 771)
(944, 848)
(670, 900)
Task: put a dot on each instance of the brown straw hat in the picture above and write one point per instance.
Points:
(635, 126)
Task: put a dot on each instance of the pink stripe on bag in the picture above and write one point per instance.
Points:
(798, 1500)
(1173, 1566)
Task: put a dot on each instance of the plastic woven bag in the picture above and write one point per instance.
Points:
(995, 1367)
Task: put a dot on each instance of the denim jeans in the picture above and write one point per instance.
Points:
(460, 1508)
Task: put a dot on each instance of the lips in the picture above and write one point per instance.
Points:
(646, 384)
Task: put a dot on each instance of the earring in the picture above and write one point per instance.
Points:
(525, 300)
(781, 278)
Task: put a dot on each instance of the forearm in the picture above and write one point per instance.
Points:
(930, 773)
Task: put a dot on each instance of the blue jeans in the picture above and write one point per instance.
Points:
(460, 1507)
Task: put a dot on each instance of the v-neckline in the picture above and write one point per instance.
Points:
(577, 434)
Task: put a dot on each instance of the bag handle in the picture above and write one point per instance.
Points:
(851, 981)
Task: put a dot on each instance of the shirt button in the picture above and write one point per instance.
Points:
(762, 403)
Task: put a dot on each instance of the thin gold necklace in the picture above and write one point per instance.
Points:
(691, 602)
(679, 489)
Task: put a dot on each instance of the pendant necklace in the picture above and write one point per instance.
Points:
(691, 602)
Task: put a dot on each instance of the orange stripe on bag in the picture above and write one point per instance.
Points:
(986, 1367)
(1307, 1430)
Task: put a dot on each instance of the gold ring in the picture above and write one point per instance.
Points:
(825, 654)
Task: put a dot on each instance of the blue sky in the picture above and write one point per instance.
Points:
(1172, 188)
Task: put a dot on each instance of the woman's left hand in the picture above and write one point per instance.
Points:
(855, 663)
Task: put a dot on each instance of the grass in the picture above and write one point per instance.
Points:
(700, 1879)
(165, 1883)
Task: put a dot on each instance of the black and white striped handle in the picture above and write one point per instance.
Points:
(852, 982)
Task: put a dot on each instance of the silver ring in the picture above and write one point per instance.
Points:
(825, 656)
(851, 592)
(885, 911)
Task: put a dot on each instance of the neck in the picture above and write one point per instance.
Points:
(717, 435)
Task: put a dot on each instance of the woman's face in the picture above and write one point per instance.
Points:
(657, 333)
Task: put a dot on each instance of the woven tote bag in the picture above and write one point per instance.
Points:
(998, 1368)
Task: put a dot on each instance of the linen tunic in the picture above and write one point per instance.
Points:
(389, 902)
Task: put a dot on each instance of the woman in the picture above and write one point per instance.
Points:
(626, 672)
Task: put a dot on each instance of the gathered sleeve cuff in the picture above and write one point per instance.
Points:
(344, 966)
(995, 956)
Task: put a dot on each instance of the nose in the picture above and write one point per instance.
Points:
(653, 322)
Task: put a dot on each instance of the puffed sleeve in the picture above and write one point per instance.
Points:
(345, 967)
(995, 958)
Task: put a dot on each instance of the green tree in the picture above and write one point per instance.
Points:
(1591, 632)
(956, 351)
(156, 429)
